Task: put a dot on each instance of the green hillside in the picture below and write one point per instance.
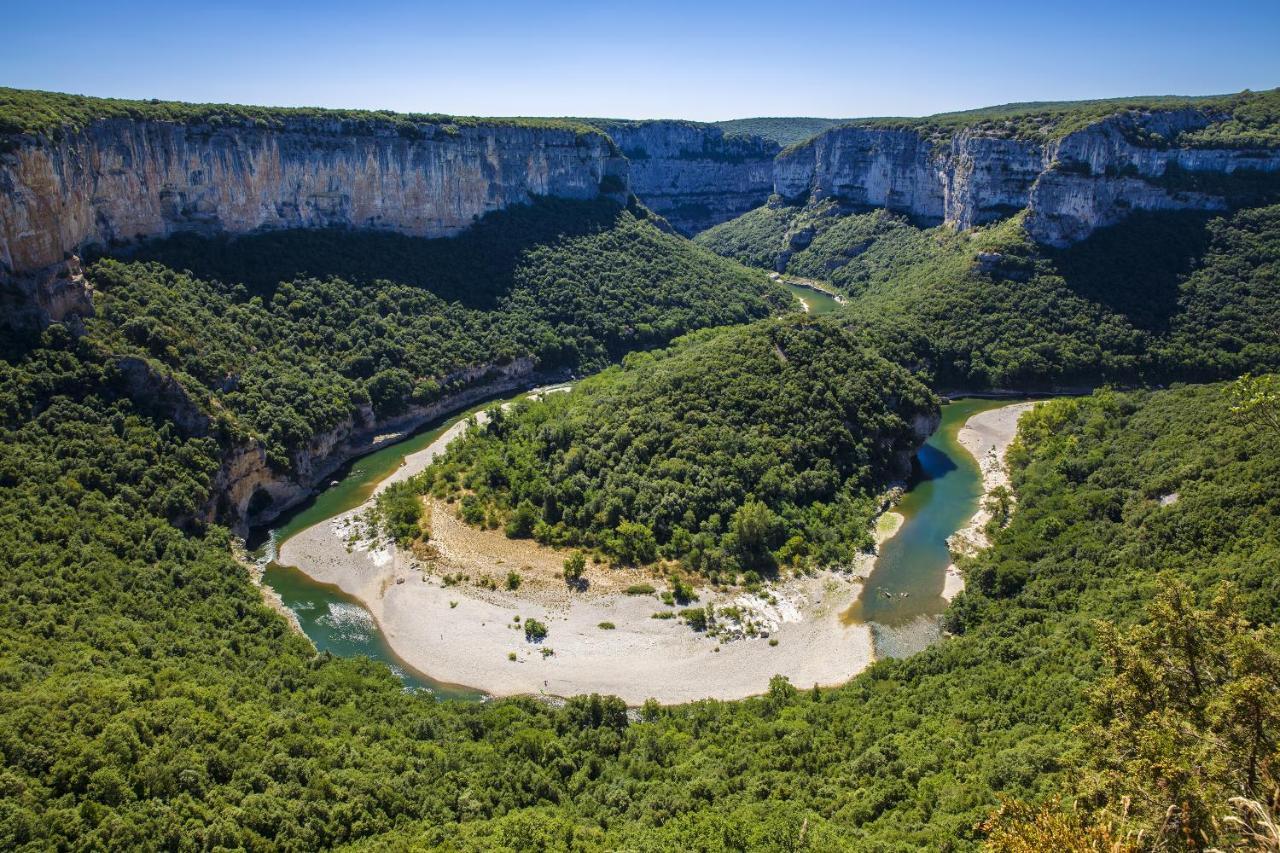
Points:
(278, 353)
(147, 696)
(990, 308)
(784, 131)
(54, 113)
(735, 451)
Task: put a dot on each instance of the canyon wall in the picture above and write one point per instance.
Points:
(120, 180)
(1070, 186)
(691, 174)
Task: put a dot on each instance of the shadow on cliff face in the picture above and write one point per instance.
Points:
(1136, 268)
(476, 268)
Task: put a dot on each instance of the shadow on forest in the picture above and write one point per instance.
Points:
(1136, 268)
(476, 268)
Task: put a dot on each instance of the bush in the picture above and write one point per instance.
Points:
(534, 631)
(574, 565)
(513, 580)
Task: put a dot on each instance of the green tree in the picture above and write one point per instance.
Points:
(634, 543)
(1186, 718)
(523, 518)
(756, 528)
(1257, 401)
(574, 565)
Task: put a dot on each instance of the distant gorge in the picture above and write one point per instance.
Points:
(120, 180)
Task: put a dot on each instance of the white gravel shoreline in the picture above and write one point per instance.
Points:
(987, 436)
(463, 634)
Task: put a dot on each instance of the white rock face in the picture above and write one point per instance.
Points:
(120, 180)
(1087, 180)
(692, 174)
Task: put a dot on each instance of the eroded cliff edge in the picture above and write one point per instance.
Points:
(1069, 185)
(694, 175)
(119, 180)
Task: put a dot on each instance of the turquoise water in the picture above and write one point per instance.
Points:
(945, 490)
(819, 303)
(334, 621)
(943, 495)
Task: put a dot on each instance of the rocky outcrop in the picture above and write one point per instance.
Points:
(120, 180)
(1070, 186)
(48, 295)
(864, 167)
(249, 491)
(693, 175)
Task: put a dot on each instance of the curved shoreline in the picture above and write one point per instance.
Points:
(463, 633)
(986, 436)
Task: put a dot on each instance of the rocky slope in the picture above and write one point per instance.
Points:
(692, 174)
(1070, 186)
(118, 180)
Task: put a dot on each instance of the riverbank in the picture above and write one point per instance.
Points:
(986, 436)
(450, 615)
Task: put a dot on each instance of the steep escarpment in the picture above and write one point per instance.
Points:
(1070, 182)
(121, 178)
(694, 175)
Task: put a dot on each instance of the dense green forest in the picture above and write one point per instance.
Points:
(56, 113)
(273, 352)
(735, 451)
(1112, 675)
(148, 699)
(989, 307)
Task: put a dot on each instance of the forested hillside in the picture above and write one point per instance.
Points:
(148, 698)
(736, 450)
(1111, 678)
(989, 307)
(277, 353)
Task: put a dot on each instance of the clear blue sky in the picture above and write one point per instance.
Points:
(641, 59)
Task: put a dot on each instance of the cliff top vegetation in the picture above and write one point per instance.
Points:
(29, 111)
(1242, 120)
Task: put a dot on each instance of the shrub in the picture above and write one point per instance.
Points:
(534, 631)
(574, 565)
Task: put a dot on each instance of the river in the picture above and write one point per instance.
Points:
(816, 301)
(941, 497)
(902, 598)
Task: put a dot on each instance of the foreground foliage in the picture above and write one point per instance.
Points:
(147, 698)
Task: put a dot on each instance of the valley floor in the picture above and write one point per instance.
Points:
(464, 633)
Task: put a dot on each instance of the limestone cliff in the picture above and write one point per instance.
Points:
(1069, 186)
(119, 180)
(249, 491)
(691, 174)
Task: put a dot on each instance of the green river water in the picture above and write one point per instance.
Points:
(818, 302)
(943, 495)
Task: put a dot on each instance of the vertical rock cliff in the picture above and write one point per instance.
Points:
(1069, 186)
(120, 180)
(693, 175)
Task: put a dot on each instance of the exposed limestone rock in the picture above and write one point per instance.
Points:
(251, 492)
(120, 180)
(1071, 186)
(692, 174)
(50, 295)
